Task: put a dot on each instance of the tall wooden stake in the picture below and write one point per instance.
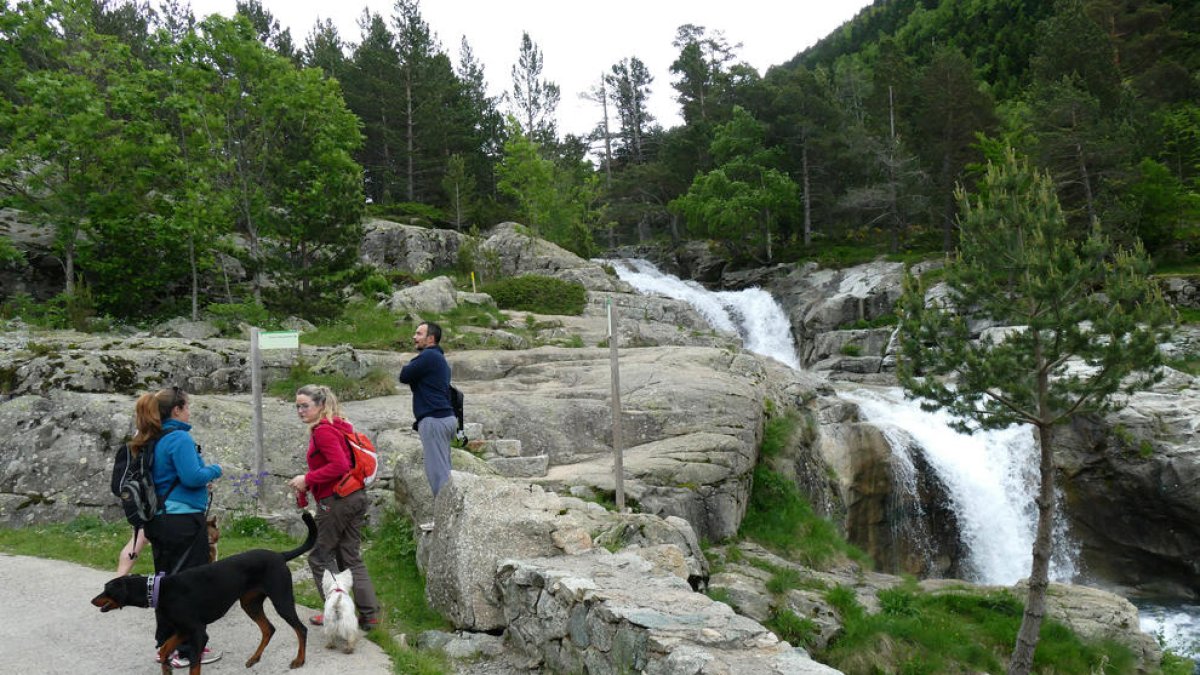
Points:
(256, 393)
(618, 460)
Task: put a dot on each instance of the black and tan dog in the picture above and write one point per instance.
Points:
(192, 599)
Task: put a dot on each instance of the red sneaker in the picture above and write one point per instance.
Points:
(317, 620)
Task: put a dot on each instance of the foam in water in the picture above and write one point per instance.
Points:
(990, 477)
(753, 313)
(1176, 626)
(996, 500)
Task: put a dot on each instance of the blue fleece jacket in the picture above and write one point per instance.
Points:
(428, 375)
(177, 462)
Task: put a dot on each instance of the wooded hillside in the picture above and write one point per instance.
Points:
(181, 161)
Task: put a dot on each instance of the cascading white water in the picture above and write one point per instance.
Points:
(987, 475)
(751, 313)
(990, 477)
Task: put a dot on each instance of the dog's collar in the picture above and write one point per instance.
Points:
(152, 585)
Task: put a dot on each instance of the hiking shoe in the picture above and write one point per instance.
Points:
(317, 619)
(369, 624)
(208, 656)
(157, 658)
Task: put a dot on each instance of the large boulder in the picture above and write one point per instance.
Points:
(518, 253)
(435, 295)
(1132, 486)
(691, 421)
(481, 521)
(387, 245)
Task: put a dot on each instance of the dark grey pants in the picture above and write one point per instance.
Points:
(436, 434)
(339, 547)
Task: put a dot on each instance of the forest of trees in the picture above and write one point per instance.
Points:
(167, 153)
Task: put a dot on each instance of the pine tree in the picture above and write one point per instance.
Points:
(535, 100)
(1082, 322)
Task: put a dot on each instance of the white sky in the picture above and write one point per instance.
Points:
(579, 41)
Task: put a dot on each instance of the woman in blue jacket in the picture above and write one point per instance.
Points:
(178, 534)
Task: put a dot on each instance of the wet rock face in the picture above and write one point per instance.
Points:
(1132, 488)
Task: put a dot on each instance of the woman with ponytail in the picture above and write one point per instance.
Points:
(339, 519)
(178, 534)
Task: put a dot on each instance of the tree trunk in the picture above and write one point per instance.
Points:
(409, 125)
(195, 277)
(807, 194)
(1021, 662)
(1087, 185)
(69, 264)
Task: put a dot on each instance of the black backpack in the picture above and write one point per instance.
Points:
(133, 484)
(456, 402)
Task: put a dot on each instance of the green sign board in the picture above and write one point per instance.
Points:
(281, 339)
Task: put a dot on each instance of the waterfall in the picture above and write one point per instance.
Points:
(752, 313)
(991, 477)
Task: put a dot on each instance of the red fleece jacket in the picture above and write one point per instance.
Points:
(328, 456)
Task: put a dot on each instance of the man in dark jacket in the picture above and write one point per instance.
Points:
(428, 375)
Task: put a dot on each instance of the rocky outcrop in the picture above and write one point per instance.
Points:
(519, 253)
(483, 520)
(387, 245)
(1181, 291)
(603, 613)
(1132, 486)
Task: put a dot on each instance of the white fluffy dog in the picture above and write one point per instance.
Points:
(341, 621)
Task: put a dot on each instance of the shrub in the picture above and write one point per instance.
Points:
(373, 284)
(228, 315)
(407, 212)
(540, 294)
(795, 629)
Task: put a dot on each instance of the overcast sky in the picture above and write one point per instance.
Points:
(581, 40)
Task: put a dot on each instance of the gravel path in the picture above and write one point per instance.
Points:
(51, 627)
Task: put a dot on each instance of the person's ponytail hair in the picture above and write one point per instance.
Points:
(322, 396)
(149, 413)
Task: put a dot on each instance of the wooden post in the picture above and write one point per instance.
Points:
(618, 459)
(256, 393)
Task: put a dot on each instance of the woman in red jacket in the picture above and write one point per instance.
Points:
(339, 519)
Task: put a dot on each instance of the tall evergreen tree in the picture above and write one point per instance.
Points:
(951, 111)
(1086, 322)
(371, 92)
(629, 89)
(535, 100)
(741, 200)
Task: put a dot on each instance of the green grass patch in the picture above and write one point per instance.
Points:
(391, 559)
(539, 294)
(362, 326)
(777, 434)
(885, 321)
(797, 630)
(1188, 315)
(375, 383)
(953, 632)
(781, 519)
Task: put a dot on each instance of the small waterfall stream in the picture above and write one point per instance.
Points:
(990, 476)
